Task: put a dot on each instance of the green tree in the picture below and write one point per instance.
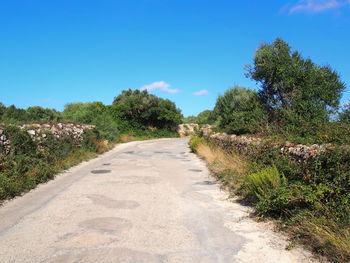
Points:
(14, 115)
(190, 119)
(239, 111)
(294, 89)
(206, 117)
(37, 113)
(141, 109)
(95, 113)
(2, 110)
(344, 115)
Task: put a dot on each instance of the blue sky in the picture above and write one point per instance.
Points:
(55, 52)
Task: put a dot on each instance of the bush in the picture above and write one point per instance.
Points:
(32, 162)
(141, 109)
(95, 113)
(194, 142)
(204, 117)
(239, 111)
(259, 185)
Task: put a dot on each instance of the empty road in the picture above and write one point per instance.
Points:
(150, 201)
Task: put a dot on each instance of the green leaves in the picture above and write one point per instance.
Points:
(294, 89)
(143, 109)
(239, 111)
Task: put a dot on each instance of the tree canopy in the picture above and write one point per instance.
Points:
(142, 108)
(294, 89)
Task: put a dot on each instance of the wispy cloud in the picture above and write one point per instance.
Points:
(200, 93)
(159, 85)
(314, 6)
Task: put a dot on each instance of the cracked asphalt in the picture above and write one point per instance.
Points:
(149, 201)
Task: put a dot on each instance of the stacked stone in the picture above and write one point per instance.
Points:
(4, 143)
(37, 131)
(245, 145)
(303, 152)
(230, 142)
(187, 129)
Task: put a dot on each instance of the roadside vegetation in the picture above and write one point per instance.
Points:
(298, 102)
(134, 115)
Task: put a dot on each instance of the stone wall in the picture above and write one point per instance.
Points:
(189, 129)
(4, 142)
(245, 145)
(38, 132)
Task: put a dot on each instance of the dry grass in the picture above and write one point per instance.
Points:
(229, 168)
(73, 159)
(325, 237)
(126, 138)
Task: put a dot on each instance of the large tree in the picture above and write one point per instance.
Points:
(294, 89)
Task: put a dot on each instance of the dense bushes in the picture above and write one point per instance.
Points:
(141, 109)
(239, 111)
(204, 117)
(309, 199)
(316, 191)
(344, 115)
(13, 115)
(30, 163)
(95, 113)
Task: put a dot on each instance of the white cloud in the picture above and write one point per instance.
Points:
(317, 6)
(201, 92)
(159, 85)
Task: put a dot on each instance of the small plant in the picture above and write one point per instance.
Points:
(260, 184)
(290, 246)
(194, 142)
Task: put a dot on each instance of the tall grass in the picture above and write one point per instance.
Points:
(228, 168)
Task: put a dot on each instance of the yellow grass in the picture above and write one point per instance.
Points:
(229, 168)
(126, 138)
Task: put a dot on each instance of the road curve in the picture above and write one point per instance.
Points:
(150, 201)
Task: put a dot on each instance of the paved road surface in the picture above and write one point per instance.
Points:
(151, 201)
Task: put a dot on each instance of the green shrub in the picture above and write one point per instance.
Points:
(259, 185)
(240, 111)
(32, 162)
(194, 142)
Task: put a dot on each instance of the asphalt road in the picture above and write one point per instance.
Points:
(150, 201)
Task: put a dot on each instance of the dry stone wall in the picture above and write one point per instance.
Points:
(246, 144)
(4, 142)
(38, 132)
(187, 129)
